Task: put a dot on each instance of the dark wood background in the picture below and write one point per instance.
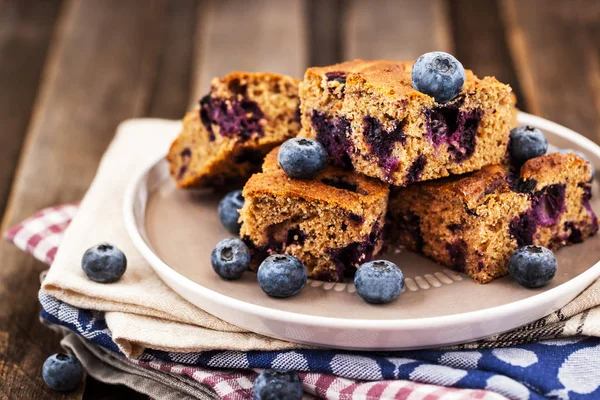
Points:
(70, 71)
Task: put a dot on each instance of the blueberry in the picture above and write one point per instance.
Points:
(274, 385)
(532, 266)
(438, 75)
(526, 142)
(281, 275)
(229, 211)
(230, 258)
(104, 263)
(379, 281)
(62, 372)
(580, 154)
(301, 158)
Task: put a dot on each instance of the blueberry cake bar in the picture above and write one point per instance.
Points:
(243, 117)
(332, 223)
(368, 117)
(473, 223)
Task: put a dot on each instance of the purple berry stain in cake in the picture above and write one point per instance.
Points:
(409, 225)
(547, 205)
(348, 258)
(415, 170)
(382, 142)
(235, 117)
(332, 133)
(336, 76)
(585, 200)
(458, 129)
(458, 254)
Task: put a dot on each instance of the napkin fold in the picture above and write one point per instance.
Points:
(141, 311)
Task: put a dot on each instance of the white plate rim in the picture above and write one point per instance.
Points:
(440, 322)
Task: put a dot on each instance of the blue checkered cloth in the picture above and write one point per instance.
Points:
(556, 369)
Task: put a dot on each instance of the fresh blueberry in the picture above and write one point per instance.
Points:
(379, 281)
(275, 385)
(301, 158)
(62, 372)
(104, 263)
(282, 275)
(580, 154)
(526, 142)
(532, 266)
(438, 75)
(230, 258)
(229, 211)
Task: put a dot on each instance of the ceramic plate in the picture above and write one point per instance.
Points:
(176, 230)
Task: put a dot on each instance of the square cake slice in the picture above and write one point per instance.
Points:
(368, 117)
(332, 223)
(473, 223)
(243, 117)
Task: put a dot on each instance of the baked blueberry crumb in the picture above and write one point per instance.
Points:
(229, 211)
(230, 258)
(525, 143)
(104, 263)
(301, 158)
(62, 372)
(274, 385)
(379, 281)
(282, 275)
(439, 75)
(580, 154)
(532, 266)
(332, 133)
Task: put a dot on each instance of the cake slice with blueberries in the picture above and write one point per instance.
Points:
(405, 123)
(475, 222)
(243, 117)
(330, 219)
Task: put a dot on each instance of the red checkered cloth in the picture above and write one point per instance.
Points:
(41, 234)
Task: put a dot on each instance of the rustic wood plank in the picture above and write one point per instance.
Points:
(556, 48)
(324, 33)
(485, 52)
(26, 28)
(172, 89)
(395, 29)
(101, 70)
(263, 35)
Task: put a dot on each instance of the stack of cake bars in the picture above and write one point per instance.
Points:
(403, 169)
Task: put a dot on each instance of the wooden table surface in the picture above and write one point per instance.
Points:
(71, 70)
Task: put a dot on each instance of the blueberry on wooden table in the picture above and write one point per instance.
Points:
(379, 281)
(282, 275)
(532, 266)
(62, 372)
(526, 142)
(275, 385)
(104, 263)
(229, 212)
(438, 75)
(301, 158)
(230, 258)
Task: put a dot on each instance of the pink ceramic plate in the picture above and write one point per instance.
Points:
(176, 231)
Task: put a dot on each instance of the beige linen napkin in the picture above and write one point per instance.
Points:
(141, 311)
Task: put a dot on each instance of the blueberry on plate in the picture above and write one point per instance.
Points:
(301, 158)
(532, 266)
(62, 372)
(104, 263)
(229, 212)
(438, 75)
(526, 142)
(230, 258)
(379, 281)
(281, 275)
(580, 154)
(274, 385)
